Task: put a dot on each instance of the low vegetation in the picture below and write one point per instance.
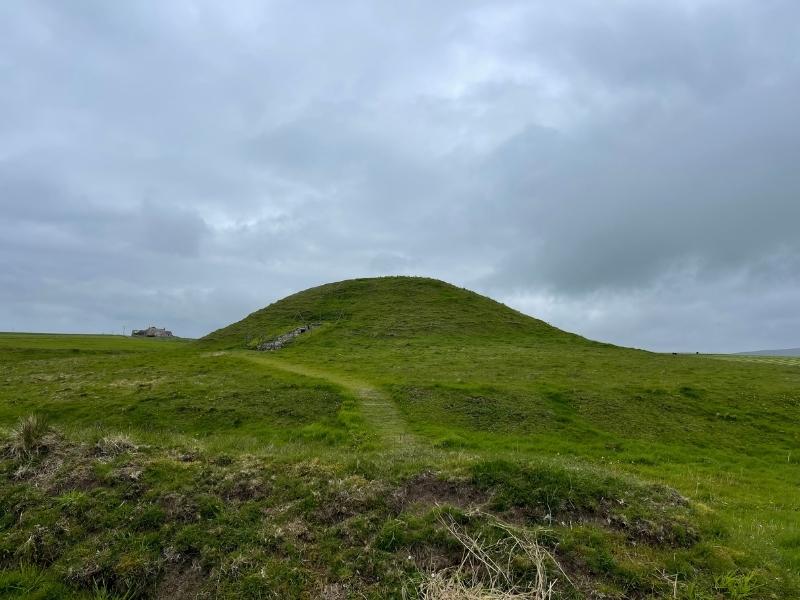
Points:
(29, 437)
(422, 442)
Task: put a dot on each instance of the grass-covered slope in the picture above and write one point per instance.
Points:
(424, 441)
(388, 307)
(458, 363)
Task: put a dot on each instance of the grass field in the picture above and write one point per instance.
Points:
(790, 361)
(418, 425)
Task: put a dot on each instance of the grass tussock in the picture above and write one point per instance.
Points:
(30, 436)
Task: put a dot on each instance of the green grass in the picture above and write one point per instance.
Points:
(791, 361)
(326, 467)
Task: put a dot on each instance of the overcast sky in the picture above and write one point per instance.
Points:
(628, 170)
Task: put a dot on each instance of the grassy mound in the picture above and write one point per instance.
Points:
(387, 308)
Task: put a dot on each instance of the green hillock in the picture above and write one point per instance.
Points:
(388, 307)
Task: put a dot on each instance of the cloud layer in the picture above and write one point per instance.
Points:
(623, 169)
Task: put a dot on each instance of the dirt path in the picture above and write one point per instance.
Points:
(376, 407)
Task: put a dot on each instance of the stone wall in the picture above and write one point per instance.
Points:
(280, 341)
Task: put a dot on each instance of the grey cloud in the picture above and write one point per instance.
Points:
(169, 230)
(622, 206)
(626, 169)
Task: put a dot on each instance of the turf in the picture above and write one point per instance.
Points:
(326, 468)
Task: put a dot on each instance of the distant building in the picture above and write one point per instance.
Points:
(151, 332)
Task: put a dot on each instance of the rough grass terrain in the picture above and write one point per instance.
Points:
(424, 441)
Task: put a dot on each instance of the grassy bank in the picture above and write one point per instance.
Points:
(418, 436)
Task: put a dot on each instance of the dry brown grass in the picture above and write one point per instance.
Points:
(485, 572)
(114, 445)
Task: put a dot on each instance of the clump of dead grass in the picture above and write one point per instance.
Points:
(112, 446)
(486, 569)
